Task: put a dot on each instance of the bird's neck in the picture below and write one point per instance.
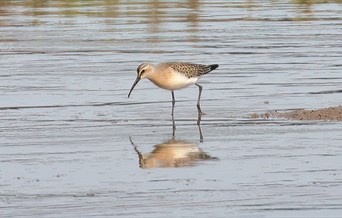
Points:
(151, 75)
(155, 78)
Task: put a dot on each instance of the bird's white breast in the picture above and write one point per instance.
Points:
(173, 81)
(180, 81)
(170, 79)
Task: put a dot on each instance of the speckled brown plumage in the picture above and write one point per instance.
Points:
(190, 70)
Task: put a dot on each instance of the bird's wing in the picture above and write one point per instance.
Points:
(191, 70)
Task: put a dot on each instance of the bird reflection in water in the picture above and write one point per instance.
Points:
(173, 153)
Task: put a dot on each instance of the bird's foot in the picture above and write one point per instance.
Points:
(200, 113)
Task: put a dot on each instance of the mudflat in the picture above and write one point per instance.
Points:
(73, 145)
(326, 114)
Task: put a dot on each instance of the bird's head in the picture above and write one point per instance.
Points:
(143, 71)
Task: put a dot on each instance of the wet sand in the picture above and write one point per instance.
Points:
(326, 114)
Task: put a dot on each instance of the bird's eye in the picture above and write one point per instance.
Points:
(143, 71)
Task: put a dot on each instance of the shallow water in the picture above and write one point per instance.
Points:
(69, 135)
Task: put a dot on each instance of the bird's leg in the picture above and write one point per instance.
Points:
(173, 103)
(173, 128)
(199, 118)
(172, 115)
(141, 159)
(199, 99)
(199, 128)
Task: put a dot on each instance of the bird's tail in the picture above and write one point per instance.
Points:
(213, 66)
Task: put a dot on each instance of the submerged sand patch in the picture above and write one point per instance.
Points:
(326, 114)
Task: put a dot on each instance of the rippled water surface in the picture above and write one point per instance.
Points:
(73, 145)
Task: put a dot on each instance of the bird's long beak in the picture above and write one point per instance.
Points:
(134, 84)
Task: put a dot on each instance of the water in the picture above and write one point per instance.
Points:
(67, 126)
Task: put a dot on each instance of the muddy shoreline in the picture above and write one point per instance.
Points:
(325, 114)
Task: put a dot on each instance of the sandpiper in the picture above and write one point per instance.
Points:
(173, 76)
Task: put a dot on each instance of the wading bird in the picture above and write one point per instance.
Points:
(173, 76)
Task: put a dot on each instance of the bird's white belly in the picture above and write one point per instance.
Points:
(176, 81)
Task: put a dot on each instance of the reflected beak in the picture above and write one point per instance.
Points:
(134, 84)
